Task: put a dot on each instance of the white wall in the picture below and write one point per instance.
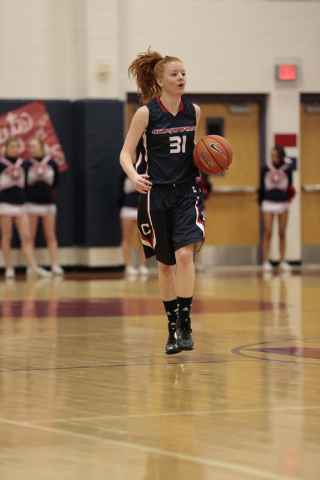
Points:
(227, 46)
(36, 49)
(50, 49)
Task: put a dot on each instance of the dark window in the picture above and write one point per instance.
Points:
(215, 126)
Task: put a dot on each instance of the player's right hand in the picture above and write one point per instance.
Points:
(141, 183)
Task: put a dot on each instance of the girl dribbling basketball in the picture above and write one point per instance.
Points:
(170, 216)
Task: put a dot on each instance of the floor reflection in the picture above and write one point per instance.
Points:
(96, 391)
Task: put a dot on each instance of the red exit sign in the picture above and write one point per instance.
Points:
(286, 72)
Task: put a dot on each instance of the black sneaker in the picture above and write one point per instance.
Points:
(183, 329)
(171, 346)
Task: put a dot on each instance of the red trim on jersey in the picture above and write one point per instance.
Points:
(153, 236)
(164, 108)
(146, 241)
(143, 156)
(198, 219)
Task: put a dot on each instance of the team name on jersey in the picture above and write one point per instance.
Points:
(173, 130)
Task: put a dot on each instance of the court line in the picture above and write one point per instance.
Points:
(181, 360)
(50, 335)
(157, 451)
(174, 414)
(237, 351)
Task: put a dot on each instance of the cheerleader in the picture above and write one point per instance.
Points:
(12, 209)
(128, 217)
(275, 193)
(41, 179)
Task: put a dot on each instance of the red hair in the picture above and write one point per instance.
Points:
(145, 69)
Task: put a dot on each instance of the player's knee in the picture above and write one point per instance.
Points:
(184, 257)
(282, 235)
(166, 270)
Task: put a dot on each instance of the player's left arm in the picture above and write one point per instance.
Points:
(198, 115)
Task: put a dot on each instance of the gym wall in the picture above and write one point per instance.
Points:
(53, 49)
(91, 135)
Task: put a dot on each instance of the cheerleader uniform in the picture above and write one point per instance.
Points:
(273, 192)
(12, 184)
(41, 179)
(130, 201)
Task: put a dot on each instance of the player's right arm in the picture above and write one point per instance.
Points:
(138, 125)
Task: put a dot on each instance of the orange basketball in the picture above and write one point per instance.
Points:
(212, 154)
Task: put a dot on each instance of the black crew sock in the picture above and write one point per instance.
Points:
(184, 305)
(171, 309)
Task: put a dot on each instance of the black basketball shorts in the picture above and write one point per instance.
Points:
(169, 218)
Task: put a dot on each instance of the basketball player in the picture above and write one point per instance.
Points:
(12, 209)
(275, 182)
(170, 216)
(42, 178)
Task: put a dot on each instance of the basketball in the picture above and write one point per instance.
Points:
(212, 154)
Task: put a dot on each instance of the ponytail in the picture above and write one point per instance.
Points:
(145, 69)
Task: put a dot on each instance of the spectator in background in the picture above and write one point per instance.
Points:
(41, 179)
(275, 194)
(12, 209)
(128, 217)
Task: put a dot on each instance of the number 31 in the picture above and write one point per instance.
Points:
(175, 144)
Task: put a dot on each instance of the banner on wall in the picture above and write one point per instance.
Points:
(32, 120)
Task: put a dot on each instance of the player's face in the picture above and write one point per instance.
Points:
(275, 158)
(174, 79)
(35, 148)
(12, 149)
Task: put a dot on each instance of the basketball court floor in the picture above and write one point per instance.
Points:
(86, 391)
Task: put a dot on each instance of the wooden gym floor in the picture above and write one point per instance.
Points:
(86, 391)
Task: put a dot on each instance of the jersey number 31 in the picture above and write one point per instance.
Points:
(178, 144)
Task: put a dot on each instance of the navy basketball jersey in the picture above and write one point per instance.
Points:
(166, 148)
